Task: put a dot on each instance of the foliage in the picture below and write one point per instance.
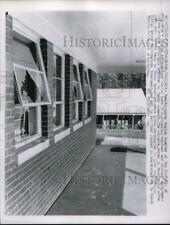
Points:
(122, 80)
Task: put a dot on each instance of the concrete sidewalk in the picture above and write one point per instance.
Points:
(123, 141)
(105, 185)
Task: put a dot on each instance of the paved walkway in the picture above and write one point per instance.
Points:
(135, 144)
(108, 183)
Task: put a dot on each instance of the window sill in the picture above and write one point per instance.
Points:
(33, 138)
(58, 128)
(77, 126)
(74, 121)
(33, 151)
(61, 135)
(88, 120)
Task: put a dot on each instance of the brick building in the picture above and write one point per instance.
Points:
(50, 116)
(48, 112)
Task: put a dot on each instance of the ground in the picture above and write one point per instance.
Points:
(108, 183)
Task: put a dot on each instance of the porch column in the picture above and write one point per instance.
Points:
(144, 121)
(133, 121)
(117, 120)
(102, 121)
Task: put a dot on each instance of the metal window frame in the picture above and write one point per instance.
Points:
(62, 102)
(88, 80)
(78, 82)
(76, 112)
(46, 86)
(76, 63)
(36, 105)
(87, 100)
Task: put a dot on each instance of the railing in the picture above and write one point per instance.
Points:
(129, 133)
(117, 127)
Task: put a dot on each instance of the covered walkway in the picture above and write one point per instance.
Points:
(121, 109)
(108, 183)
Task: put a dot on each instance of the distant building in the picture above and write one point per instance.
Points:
(121, 109)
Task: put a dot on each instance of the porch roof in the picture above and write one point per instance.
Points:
(121, 101)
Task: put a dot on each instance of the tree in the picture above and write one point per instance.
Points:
(122, 80)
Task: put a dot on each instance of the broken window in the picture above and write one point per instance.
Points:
(30, 90)
(25, 123)
(31, 85)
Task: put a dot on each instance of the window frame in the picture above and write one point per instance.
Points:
(86, 73)
(85, 109)
(77, 101)
(62, 102)
(76, 112)
(36, 105)
(39, 127)
(40, 71)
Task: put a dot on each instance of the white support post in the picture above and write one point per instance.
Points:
(117, 120)
(133, 116)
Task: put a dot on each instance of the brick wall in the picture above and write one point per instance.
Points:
(81, 69)
(47, 54)
(68, 77)
(32, 187)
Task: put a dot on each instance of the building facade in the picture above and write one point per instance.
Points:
(50, 118)
(118, 109)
